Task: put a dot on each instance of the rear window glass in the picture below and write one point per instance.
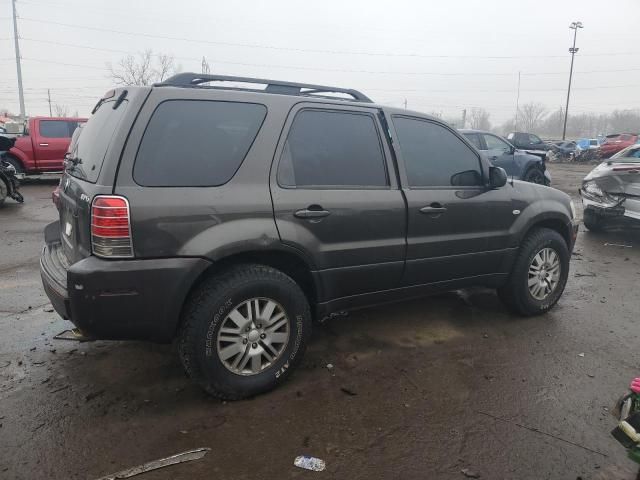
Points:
(56, 128)
(196, 143)
(93, 140)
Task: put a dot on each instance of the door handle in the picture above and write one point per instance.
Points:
(313, 211)
(495, 157)
(43, 144)
(435, 207)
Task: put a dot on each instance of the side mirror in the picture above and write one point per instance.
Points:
(497, 177)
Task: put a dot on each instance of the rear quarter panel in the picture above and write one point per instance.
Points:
(210, 222)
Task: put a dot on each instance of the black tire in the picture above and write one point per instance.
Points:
(535, 175)
(515, 293)
(208, 308)
(592, 221)
(15, 162)
(4, 191)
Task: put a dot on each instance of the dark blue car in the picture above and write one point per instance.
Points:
(518, 164)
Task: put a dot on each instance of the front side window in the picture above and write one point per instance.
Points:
(191, 143)
(474, 138)
(332, 149)
(495, 143)
(534, 139)
(434, 156)
(54, 129)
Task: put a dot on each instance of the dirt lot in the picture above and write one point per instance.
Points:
(418, 390)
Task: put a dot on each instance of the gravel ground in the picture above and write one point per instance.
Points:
(418, 390)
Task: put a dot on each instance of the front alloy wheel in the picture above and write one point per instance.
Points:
(544, 273)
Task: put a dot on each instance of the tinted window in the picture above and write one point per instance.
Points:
(332, 149)
(196, 143)
(434, 156)
(474, 138)
(495, 143)
(55, 129)
(534, 139)
(93, 139)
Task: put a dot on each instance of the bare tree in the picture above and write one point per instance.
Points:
(530, 116)
(479, 119)
(60, 110)
(143, 69)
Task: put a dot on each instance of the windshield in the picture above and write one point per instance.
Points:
(630, 155)
(90, 147)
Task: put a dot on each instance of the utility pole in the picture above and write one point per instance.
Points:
(517, 103)
(205, 66)
(18, 66)
(573, 50)
(49, 97)
(405, 103)
(464, 117)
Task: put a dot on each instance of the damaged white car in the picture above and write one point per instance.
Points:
(611, 191)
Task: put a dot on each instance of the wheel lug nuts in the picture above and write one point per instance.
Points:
(262, 335)
(259, 325)
(254, 345)
(247, 329)
(244, 341)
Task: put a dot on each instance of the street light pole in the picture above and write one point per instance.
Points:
(573, 50)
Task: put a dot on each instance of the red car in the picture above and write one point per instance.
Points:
(614, 143)
(43, 148)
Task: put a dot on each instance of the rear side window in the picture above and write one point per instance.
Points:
(191, 143)
(332, 149)
(56, 128)
(434, 156)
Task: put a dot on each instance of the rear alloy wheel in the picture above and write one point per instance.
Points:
(535, 175)
(539, 274)
(244, 331)
(253, 336)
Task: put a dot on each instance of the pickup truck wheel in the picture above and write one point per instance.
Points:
(15, 162)
(539, 273)
(244, 331)
(535, 175)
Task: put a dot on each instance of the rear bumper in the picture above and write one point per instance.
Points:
(118, 299)
(628, 211)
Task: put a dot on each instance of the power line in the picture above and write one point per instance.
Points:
(303, 50)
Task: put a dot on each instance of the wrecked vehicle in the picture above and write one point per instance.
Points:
(611, 191)
(9, 184)
(289, 204)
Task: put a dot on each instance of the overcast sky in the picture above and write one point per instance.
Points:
(441, 56)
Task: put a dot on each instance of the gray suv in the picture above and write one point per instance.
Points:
(228, 217)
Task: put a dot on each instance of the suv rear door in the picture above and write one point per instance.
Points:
(336, 198)
(457, 226)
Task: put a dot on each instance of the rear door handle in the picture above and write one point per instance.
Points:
(435, 207)
(43, 144)
(311, 213)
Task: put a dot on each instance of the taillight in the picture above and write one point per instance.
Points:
(111, 227)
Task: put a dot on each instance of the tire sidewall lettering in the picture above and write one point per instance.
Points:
(219, 315)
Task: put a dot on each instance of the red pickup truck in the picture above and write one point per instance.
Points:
(44, 145)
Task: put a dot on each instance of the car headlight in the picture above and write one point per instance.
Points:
(573, 209)
(591, 189)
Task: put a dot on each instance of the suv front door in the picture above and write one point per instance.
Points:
(457, 226)
(336, 198)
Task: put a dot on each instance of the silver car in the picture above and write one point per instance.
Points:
(611, 191)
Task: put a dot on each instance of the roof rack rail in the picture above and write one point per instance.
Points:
(273, 86)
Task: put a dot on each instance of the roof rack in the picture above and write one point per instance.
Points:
(273, 86)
